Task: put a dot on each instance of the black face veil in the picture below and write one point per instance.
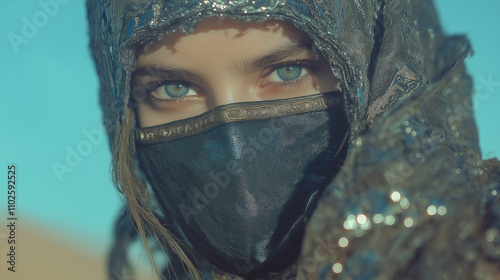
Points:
(241, 180)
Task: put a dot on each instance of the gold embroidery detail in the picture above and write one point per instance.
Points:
(238, 112)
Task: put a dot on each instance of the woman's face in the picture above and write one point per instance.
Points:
(224, 62)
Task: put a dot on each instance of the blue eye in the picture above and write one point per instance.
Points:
(176, 90)
(289, 73)
(172, 90)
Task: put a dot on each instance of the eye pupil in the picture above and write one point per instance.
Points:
(289, 73)
(176, 90)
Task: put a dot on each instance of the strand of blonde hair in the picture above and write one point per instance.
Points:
(138, 198)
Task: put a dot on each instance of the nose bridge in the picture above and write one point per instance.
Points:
(227, 89)
(225, 93)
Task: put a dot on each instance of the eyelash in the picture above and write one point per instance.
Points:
(156, 84)
(308, 65)
(161, 101)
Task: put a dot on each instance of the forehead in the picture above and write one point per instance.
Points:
(225, 35)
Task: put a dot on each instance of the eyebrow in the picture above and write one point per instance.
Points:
(278, 54)
(246, 65)
(166, 72)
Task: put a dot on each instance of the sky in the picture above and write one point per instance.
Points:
(50, 125)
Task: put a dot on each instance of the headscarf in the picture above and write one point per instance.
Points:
(410, 200)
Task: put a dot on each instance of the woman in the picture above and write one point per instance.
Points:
(238, 114)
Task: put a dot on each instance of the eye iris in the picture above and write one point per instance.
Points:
(176, 90)
(289, 72)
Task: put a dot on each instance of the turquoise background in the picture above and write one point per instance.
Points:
(49, 102)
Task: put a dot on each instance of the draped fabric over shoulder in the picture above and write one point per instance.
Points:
(413, 200)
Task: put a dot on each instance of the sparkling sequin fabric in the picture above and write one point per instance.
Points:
(414, 199)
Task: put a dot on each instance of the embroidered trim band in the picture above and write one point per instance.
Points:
(238, 112)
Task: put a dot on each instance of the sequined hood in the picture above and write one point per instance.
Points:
(375, 77)
(408, 202)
